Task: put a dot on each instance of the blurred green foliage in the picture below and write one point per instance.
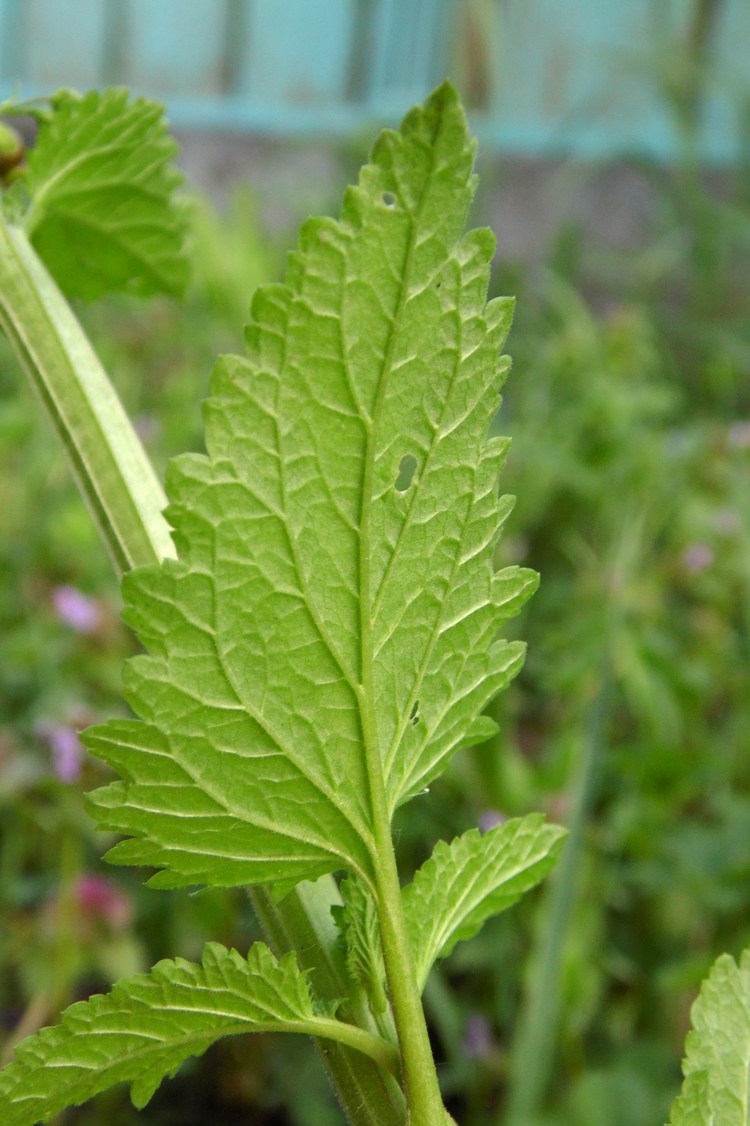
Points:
(629, 409)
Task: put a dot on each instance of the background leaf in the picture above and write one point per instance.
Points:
(717, 1058)
(476, 876)
(101, 183)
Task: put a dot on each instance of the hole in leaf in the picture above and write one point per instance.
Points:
(406, 470)
(414, 717)
(389, 199)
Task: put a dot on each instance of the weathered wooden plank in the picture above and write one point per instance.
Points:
(12, 41)
(410, 48)
(577, 76)
(176, 47)
(588, 77)
(728, 107)
(297, 53)
(63, 43)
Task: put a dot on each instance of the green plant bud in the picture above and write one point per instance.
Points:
(11, 149)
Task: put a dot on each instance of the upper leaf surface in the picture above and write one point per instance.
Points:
(476, 876)
(328, 627)
(149, 1024)
(101, 183)
(717, 1059)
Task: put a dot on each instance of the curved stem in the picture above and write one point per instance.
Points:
(108, 461)
(366, 1043)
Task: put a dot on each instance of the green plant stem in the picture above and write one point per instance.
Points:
(288, 926)
(362, 1043)
(533, 1047)
(422, 1089)
(110, 466)
(125, 498)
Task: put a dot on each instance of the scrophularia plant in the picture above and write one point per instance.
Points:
(322, 629)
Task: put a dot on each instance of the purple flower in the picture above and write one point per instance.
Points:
(67, 752)
(490, 819)
(477, 1040)
(76, 609)
(697, 557)
(739, 435)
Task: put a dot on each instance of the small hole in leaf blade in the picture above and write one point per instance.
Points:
(414, 716)
(406, 470)
(389, 199)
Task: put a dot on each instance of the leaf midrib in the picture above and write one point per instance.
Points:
(375, 764)
(362, 830)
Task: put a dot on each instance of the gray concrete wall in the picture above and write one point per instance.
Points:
(526, 201)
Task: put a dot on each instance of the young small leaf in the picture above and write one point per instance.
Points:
(100, 183)
(358, 922)
(717, 1059)
(326, 636)
(148, 1025)
(476, 876)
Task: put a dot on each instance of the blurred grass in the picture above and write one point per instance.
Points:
(629, 409)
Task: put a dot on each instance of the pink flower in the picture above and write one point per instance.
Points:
(99, 899)
(697, 557)
(76, 609)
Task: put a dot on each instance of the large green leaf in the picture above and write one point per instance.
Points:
(329, 633)
(717, 1050)
(476, 876)
(101, 184)
(149, 1024)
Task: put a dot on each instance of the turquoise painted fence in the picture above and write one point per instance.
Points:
(544, 76)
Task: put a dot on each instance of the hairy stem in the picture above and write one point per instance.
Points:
(306, 911)
(361, 1042)
(422, 1089)
(126, 501)
(111, 468)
